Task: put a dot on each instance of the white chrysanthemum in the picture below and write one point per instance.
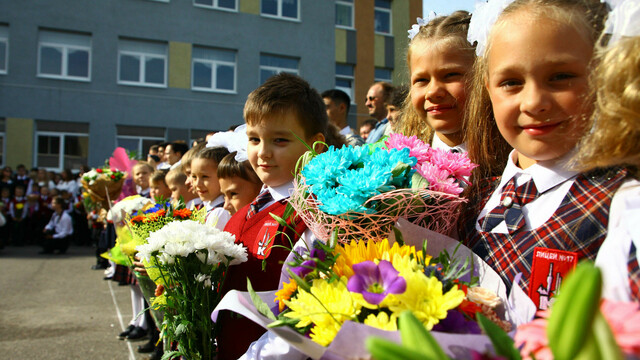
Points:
(182, 238)
(126, 206)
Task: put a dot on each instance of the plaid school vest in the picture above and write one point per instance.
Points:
(579, 225)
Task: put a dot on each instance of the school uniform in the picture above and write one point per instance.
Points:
(61, 228)
(436, 143)
(544, 211)
(216, 215)
(255, 229)
(618, 256)
(18, 213)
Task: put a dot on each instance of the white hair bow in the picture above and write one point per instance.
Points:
(234, 141)
(623, 20)
(482, 20)
(415, 28)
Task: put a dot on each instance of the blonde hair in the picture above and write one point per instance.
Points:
(175, 175)
(614, 138)
(143, 164)
(452, 31)
(188, 157)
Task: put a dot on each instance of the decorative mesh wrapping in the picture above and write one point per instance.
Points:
(433, 210)
(98, 190)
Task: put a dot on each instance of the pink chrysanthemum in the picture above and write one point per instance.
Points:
(457, 164)
(417, 148)
(439, 179)
(533, 336)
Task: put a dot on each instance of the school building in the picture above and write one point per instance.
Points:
(78, 78)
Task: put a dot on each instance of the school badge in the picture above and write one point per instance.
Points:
(264, 240)
(550, 267)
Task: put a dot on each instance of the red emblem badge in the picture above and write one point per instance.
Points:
(550, 267)
(264, 240)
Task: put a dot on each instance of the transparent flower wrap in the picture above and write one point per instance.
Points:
(430, 209)
(349, 343)
(103, 189)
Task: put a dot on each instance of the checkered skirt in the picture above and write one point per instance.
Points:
(579, 225)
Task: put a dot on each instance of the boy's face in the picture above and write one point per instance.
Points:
(44, 191)
(273, 150)
(159, 188)
(392, 114)
(5, 193)
(179, 189)
(204, 178)
(19, 192)
(238, 192)
(187, 171)
(141, 176)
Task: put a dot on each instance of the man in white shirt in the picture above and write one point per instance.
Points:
(338, 104)
(59, 229)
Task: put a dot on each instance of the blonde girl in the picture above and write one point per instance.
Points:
(614, 139)
(439, 58)
(534, 68)
(204, 179)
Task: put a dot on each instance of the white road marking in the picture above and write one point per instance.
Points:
(132, 355)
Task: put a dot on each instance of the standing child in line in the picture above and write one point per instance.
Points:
(204, 177)
(186, 160)
(141, 172)
(176, 181)
(535, 66)
(158, 186)
(280, 112)
(239, 183)
(613, 140)
(439, 58)
(18, 214)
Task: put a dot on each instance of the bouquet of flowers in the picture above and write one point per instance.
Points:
(373, 283)
(103, 185)
(364, 190)
(192, 259)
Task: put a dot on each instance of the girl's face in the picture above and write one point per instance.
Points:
(238, 192)
(180, 190)
(438, 86)
(159, 189)
(204, 179)
(537, 82)
(141, 176)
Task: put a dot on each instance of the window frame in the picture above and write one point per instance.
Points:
(65, 58)
(351, 78)
(5, 40)
(3, 147)
(215, 63)
(143, 57)
(277, 69)
(279, 15)
(62, 135)
(353, 16)
(378, 79)
(141, 139)
(214, 6)
(385, 10)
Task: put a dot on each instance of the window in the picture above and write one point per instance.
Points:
(213, 70)
(284, 9)
(142, 63)
(345, 79)
(382, 16)
(61, 145)
(63, 55)
(217, 4)
(4, 49)
(344, 14)
(138, 139)
(271, 65)
(382, 74)
(2, 130)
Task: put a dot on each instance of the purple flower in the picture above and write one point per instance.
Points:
(374, 282)
(308, 266)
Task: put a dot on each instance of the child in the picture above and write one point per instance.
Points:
(176, 181)
(238, 183)
(18, 214)
(58, 232)
(614, 139)
(158, 186)
(204, 178)
(394, 107)
(186, 169)
(439, 59)
(278, 113)
(534, 68)
(141, 173)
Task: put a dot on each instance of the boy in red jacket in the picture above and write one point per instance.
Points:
(284, 107)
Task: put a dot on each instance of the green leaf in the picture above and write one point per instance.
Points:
(573, 312)
(289, 211)
(415, 337)
(399, 236)
(300, 281)
(418, 182)
(280, 220)
(502, 342)
(383, 349)
(260, 305)
(605, 340)
(283, 322)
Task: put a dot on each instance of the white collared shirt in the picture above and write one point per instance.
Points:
(216, 215)
(346, 131)
(278, 193)
(552, 180)
(61, 225)
(437, 143)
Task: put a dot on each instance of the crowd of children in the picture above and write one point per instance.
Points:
(542, 97)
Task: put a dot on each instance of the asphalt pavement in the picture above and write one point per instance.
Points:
(56, 307)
